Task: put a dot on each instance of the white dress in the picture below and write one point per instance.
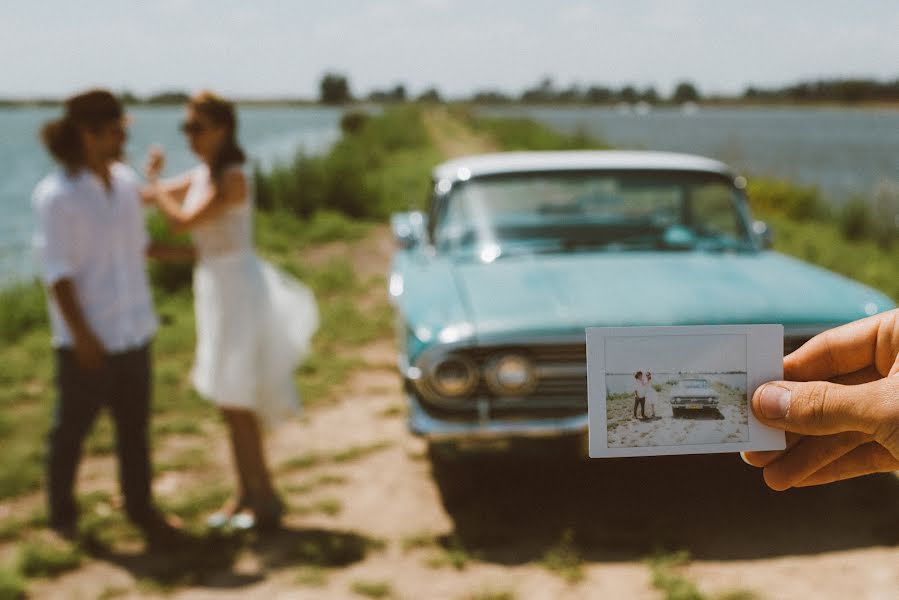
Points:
(254, 323)
(660, 408)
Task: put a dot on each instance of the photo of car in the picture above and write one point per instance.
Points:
(693, 395)
(517, 253)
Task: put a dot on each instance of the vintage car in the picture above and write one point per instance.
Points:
(517, 253)
(692, 395)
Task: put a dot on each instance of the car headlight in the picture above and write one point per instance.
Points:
(510, 375)
(453, 376)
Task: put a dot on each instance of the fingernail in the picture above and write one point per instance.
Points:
(774, 401)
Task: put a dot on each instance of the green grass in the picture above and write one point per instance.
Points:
(451, 552)
(311, 576)
(564, 559)
(667, 577)
(357, 452)
(12, 585)
(372, 589)
(22, 309)
(40, 559)
(491, 595)
(528, 134)
(320, 548)
(328, 506)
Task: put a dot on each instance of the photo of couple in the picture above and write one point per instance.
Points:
(254, 323)
(646, 398)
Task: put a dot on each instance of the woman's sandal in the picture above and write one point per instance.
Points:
(225, 516)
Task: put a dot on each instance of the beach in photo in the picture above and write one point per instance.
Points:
(681, 409)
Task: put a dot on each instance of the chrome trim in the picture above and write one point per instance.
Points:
(560, 370)
(434, 429)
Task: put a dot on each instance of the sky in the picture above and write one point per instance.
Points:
(268, 48)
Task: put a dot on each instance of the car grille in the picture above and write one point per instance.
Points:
(562, 387)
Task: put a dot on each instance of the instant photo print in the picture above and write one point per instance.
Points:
(680, 390)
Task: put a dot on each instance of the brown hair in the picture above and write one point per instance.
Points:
(221, 112)
(92, 109)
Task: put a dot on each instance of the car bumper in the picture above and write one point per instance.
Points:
(436, 429)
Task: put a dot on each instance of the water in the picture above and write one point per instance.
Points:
(843, 152)
(268, 135)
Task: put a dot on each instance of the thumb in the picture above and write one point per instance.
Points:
(817, 407)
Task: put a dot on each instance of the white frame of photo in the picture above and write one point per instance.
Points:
(763, 363)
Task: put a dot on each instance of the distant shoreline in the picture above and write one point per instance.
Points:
(300, 103)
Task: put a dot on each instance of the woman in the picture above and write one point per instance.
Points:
(652, 398)
(253, 323)
(660, 408)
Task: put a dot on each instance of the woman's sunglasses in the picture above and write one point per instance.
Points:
(193, 127)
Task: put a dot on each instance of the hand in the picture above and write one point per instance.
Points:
(154, 164)
(843, 421)
(89, 351)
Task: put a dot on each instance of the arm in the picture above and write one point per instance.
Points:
(88, 348)
(230, 192)
(171, 252)
(176, 188)
(58, 252)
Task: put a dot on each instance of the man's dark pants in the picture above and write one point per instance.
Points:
(641, 402)
(122, 385)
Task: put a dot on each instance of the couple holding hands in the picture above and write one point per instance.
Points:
(253, 323)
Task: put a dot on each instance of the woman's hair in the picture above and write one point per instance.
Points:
(92, 109)
(222, 113)
(638, 374)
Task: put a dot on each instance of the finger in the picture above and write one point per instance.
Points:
(838, 351)
(866, 375)
(819, 407)
(810, 455)
(766, 457)
(864, 460)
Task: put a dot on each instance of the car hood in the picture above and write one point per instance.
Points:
(562, 294)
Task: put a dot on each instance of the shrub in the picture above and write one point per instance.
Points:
(355, 178)
(22, 308)
(169, 276)
(795, 201)
(856, 220)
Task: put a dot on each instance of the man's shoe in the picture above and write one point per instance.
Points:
(67, 530)
(162, 533)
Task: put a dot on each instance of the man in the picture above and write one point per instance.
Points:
(92, 241)
(639, 394)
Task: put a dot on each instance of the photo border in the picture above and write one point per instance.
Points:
(764, 362)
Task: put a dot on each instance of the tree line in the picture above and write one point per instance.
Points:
(335, 88)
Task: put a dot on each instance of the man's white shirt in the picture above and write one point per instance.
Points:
(96, 237)
(639, 387)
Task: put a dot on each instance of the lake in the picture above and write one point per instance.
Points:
(844, 152)
(268, 135)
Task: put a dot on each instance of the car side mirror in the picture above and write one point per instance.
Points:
(763, 234)
(408, 229)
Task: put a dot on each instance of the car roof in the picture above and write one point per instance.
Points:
(574, 160)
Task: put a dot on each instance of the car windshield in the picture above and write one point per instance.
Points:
(695, 383)
(571, 211)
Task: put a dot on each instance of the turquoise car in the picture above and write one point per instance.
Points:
(517, 253)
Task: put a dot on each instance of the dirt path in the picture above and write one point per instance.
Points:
(452, 137)
(368, 503)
